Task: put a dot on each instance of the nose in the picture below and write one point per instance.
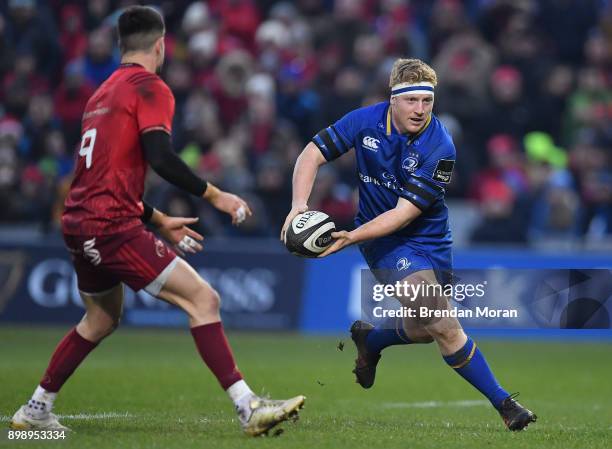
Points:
(420, 109)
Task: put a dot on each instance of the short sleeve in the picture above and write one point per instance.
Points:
(337, 139)
(426, 184)
(155, 106)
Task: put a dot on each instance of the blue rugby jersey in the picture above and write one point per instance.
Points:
(392, 165)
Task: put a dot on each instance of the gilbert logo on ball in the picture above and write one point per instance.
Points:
(310, 234)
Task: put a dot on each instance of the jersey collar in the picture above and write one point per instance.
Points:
(393, 130)
(390, 127)
(127, 65)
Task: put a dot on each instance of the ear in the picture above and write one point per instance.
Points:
(159, 44)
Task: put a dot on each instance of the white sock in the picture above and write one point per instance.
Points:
(240, 393)
(42, 401)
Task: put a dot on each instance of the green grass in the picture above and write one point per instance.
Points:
(173, 402)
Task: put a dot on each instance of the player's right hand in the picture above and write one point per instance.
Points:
(231, 204)
(292, 214)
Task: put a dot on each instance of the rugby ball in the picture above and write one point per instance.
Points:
(309, 234)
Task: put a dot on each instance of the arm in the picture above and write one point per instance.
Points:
(157, 148)
(304, 174)
(384, 224)
(327, 145)
(166, 163)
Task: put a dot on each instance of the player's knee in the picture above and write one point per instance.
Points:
(421, 339)
(215, 300)
(99, 326)
(430, 310)
(208, 299)
(427, 317)
(417, 334)
(424, 337)
(108, 326)
(445, 330)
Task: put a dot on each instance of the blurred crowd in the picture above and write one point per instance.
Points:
(524, 88)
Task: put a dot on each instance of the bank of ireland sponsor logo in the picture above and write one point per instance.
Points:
(370, 143)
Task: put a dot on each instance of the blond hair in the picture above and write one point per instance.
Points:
(411, 71)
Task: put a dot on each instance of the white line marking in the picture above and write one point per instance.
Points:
(85, 416)
(435, 404)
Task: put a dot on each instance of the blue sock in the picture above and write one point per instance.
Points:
(472, 366)
(388, 334)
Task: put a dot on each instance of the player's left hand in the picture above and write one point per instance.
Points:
(342, 239)
(176, 231)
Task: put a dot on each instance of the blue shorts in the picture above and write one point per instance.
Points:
(393, 258)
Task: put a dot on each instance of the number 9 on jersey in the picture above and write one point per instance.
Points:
(87, 145)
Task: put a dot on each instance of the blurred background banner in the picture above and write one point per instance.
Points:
(259, 289)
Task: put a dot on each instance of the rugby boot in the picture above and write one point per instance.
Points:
(263, 414)
(515, 416)
(34, 416)
(365, 363)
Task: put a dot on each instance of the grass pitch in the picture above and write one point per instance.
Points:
(149, 389)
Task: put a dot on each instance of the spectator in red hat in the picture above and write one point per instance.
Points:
(506, 166)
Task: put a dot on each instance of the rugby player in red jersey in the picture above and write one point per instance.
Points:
(126, 126)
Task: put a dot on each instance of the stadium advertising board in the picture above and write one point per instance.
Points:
(271, 290)
(258, 290)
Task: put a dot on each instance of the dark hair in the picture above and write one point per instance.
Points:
(139, 28)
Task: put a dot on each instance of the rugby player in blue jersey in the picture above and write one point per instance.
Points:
(405, 159)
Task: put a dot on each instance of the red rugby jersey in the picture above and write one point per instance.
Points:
(106, 194)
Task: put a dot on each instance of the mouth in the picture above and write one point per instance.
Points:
(416, 121)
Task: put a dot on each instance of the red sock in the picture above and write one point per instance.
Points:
(216, 353)
(69, 354)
